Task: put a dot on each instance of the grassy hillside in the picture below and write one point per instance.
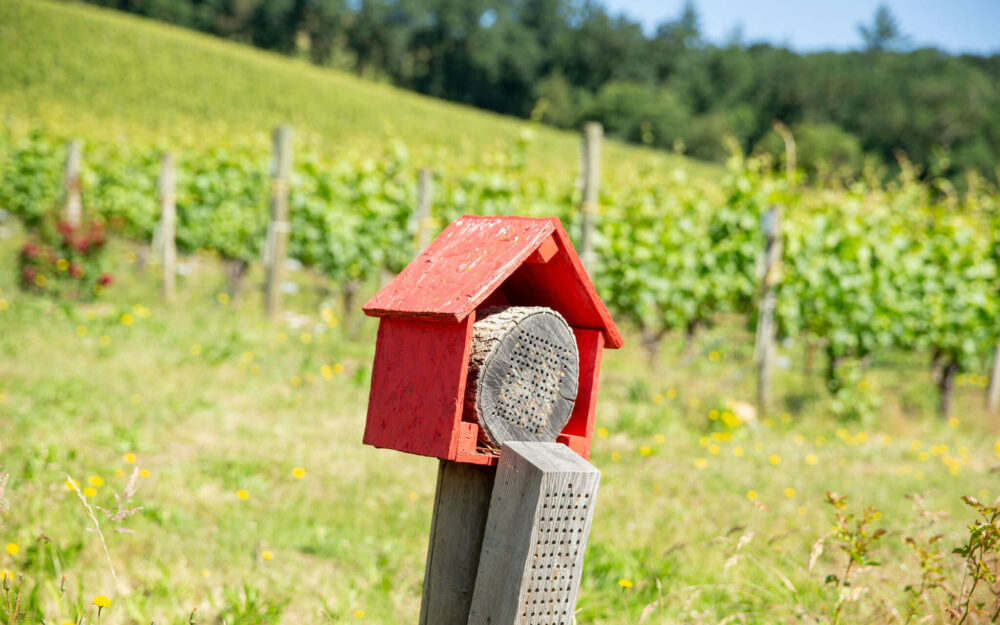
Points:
(260, 505)
(99, 73)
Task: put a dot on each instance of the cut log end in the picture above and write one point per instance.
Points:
(524, 371)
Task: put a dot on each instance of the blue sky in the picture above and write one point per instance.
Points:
(809, 25)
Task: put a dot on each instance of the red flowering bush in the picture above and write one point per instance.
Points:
(65, 261)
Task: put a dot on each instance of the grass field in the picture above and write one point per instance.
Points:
(101, 74)
(260, 504)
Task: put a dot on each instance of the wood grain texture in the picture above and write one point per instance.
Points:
(540, 516)
(418, 386)
(476, 256)
(461, 506)
(523, 374)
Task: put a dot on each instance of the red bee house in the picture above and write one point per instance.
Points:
(427, 313)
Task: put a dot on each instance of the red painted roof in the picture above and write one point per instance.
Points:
(475, 255)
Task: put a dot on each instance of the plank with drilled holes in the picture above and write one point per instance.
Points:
(536, 534)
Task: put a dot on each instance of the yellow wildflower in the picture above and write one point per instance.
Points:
(130, 458)
(700, 463)
(603, 433)
(242, 494)
(96, 480)
(90, 491)
(298, 472)
(789, 492)
(645, 450)
(127, 319)
(81, 331)
(625, 583)
(774, 459)
(752, 495)
(101, 601)
(267, 555)
(738, 451)
(714, 449)
(13, 548)
(812, 459)
(195, 349)
(222, 298)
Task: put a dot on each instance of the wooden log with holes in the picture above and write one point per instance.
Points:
(541, 510)
(524, 369)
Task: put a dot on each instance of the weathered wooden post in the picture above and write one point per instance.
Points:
(422, 216)
(72, 212)
(593, 133)
(488, 351)
(764, 348)
(993, 392)
(276, 246)
(167, 244)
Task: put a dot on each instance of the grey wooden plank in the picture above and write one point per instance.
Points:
(536, 535)
(461, 505)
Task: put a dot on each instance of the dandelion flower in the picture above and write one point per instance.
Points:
(222, 298)
(326, 371)
(71, 484)
(738, 451)
(645, 450)
(338, 368)
(714, 449)
(789, 492)
(295, 381)
(359, 614)
(774, 459)
(916, 445)
(752, 495)
(267, 555)
(298, 472)
(603, 433)
(143, 472)
(625, 583)
(90, 491)
(127, 319)
(101, 601)
(615, 456)
(81, 331)
(96, 480)
(671, 393)
(658, 398)
(13, 548)
(130, 458)
(713, 415)
(242, 494)
(305, 338)
(104, 341)
(659, 439)
(812, 459)
(953, 422)
(195, 349)
(700, 463)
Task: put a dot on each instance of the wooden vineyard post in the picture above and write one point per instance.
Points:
(764, 349)
(276, 246)
(593, 132)
(73, 209)
(461, 504)
(993, 393)
(422, 216)
(167, 244)
(540, 515)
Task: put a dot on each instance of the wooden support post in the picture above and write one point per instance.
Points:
(73, 209)
(764, 347)
(422, 216)
(461, 506)
(993, 393)
(593, 132)
(167, 245)
(540, 516)
(276, 246)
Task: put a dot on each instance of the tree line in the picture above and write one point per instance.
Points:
(565, 61)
